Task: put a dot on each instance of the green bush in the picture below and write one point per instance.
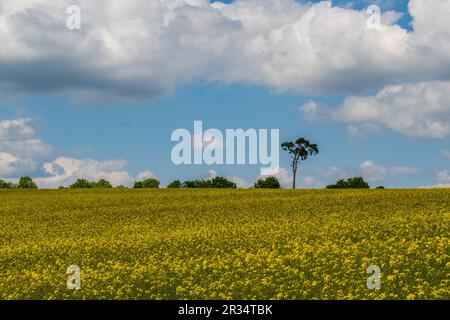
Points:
(217, 182)
(148, 183)
(267, 183)
(175, 184)
(82, 184)
(85, 184)
(102, 184)
(6, 185)
(351, 183)
(26, 183)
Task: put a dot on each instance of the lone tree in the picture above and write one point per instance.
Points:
(299, 150)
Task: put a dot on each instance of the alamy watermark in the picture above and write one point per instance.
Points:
(374, 280)
(374, 20)
(73, 277)
(236, 146)
(73, 21)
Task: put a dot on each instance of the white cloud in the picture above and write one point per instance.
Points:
(240, 182)
(419, 110)
(283, 176)
(9, 164)
(371, 171)
(361, 131)
(444, 177)
(145, 175)
(64, 171)
(311, 110)
(442, 180)
(143, 49)
(20, 148)
(212, 174)
(18, 136)
(368, 169)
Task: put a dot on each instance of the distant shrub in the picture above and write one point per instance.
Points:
(82, 184)
(217, 182)
(175, 184)
(351, 183)
(380, 187)
(147, 183)
(26, 183)
(102, 184)
(6, 185)
(197, 184)
(267, 183)
(222, 183)
(85, 184)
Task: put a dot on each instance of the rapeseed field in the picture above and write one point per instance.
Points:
(225, 244)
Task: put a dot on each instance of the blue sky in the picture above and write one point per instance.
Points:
(138, 130)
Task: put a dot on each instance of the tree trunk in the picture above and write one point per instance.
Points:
(294, 174)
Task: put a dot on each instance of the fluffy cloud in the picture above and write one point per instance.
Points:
(145, 175)
(20, 148)
(442, 180)
(444, 177)
(9, 164)
(419, 110)
(64, 171)
(369, 170)
(143, 49)
(283, 176)
(22, 152)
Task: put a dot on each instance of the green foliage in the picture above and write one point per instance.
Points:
(351, 183)
(103, 184)
(147, 183)
(380, 187)
(82, 184)
(300, 150)
(6, 185)
(175, 184)
(222, 183)
(197, 184)
(267, 183)
(26, 183)
(217, 182)
(85, 184)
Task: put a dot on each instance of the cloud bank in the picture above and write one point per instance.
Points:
(142, 49)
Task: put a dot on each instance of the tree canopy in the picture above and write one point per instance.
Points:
(267, 183)
(147, 183)
(351, 183)
(300, 150)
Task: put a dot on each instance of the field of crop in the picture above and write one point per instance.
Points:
(225, 244)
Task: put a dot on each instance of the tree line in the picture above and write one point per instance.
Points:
(299, 150)
(214, 183)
